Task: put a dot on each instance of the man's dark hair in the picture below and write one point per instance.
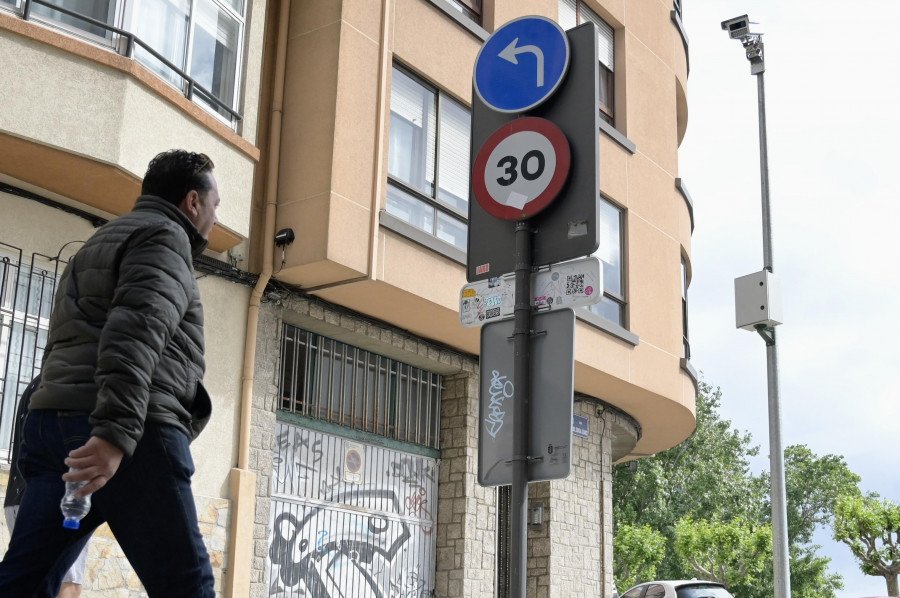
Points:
(172, 174)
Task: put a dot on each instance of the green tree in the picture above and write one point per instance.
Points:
(871, 528)
(812, 484)
(638, 549)
(810, 577)
(735, 553)
(707, 473)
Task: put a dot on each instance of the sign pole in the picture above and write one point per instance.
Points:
(518, 565)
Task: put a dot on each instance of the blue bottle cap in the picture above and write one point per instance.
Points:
(70, 523)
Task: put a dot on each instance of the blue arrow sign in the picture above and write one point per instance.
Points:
(521, 64)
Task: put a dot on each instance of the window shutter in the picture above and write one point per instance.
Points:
(605, 37)
(406, 98)
(568, 15)
(454, 152)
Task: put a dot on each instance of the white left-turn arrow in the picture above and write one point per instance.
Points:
(511, 52)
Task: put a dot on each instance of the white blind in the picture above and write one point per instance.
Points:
(568, 14)
(416, 105)
(569, 17)
(604, 37)
(407, 98)
(453, 167)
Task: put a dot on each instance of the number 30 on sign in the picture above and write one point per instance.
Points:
(521, 168)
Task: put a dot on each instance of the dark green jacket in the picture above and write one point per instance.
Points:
(126, 332)
(15, 487)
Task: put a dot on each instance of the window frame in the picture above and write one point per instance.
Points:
(433, 201)
(607, 74)
(129, 20)
(472, 9)
(620, 299)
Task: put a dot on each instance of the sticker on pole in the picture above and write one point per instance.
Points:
(521, 168)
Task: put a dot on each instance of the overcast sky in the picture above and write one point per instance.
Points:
(831, 86)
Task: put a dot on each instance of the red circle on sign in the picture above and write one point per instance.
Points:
(560, 145)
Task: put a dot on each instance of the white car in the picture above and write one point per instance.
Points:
(678, 589)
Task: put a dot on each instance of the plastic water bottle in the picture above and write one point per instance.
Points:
(74, 509)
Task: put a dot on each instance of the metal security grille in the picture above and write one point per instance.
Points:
(349, 520)
(331, 381)
(26, 298)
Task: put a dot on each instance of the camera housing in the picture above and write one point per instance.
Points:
(738, 27)
(284, 237)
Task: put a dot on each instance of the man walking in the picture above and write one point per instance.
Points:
(60, 583)
(121, 394)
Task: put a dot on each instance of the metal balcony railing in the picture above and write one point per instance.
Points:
(190, 85)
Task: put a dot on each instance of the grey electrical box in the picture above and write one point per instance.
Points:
(757, 300)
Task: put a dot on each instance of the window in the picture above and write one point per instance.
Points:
(100, 10)
(655, 591)
(328, 380)
(470, 8)
(203, 38)
(701, 590)
(684, 312)
(610, 222)
(428, 160)
(26, 298)
(573, 13)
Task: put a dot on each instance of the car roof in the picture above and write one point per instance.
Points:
(678, 583)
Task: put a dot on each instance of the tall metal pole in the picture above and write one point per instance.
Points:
(781, 556)
(518, 565)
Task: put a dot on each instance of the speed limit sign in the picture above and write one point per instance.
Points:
(521, 168)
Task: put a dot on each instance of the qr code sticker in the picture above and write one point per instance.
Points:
(575, 284)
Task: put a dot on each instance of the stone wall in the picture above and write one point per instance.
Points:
(467, 512)
(570, 554)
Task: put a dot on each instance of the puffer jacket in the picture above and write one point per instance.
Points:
(126, 333)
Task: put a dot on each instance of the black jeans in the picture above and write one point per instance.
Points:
(148, 505)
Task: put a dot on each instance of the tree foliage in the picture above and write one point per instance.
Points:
(812, 485)
(707, 473)
(704, 487)
(871, 528)
(810, 577)
(734, 553)
(638, 549)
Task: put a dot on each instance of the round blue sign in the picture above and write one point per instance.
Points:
(521, 64)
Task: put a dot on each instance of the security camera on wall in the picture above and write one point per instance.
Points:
(737, 27)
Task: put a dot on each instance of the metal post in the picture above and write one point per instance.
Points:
(518, 569)
(781, 556)
(764, 171)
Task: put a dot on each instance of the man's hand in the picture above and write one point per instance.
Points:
(97, 461)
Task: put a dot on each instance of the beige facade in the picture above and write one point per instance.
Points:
(314, 151)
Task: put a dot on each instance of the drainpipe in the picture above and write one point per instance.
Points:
(379, 179)
(242, 482)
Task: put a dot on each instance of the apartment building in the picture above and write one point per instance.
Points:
(342, 455)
